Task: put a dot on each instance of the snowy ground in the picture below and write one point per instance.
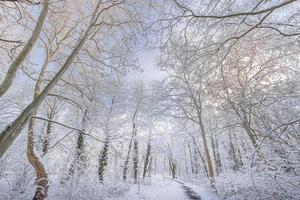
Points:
(162, 189)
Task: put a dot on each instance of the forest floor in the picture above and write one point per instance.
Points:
(160, 188)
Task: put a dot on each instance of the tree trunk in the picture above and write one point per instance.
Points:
(206, 150)
(135, 158)
(78, 163)
(172, 166)
(125, 167)
(191, 157)
(196, 163)
(133, 138)
(198, 106)
(46, 139)
(215, 148)
(185, 162)
(41, 174)
(147, 159)
(202, 158)
(47, 136)
(208, 159)
(12, 70)
(103, 157)
(233, 155)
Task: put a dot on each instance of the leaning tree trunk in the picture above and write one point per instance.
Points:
(12, 131)
(41, 174)
(12, 70)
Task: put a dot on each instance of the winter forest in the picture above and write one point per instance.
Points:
(149, 99)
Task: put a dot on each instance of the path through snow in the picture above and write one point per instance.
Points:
(161, 189)
(189, 191)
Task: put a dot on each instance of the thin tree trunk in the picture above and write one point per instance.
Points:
(191, 157)
(185, 161)
(206, 150)
(46, 139)
(202, 158)
(208, 158)
(103, 157)
(215, 148)
(240, 160)
(198, 107)
(150, 167)
(172, 167)
(135, 158)
(196, 163)
(78, 163)
(47, 136)
(125, 168)
(232, 154)
(147, 159)
(133, 135)
(12, 70)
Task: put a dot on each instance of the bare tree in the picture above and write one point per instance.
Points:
(13, 130)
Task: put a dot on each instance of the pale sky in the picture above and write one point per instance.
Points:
(147, 61)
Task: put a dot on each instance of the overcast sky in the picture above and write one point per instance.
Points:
(147, 60)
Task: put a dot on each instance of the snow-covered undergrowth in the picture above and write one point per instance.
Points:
(250, 185)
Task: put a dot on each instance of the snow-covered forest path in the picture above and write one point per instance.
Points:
(190, 193)
(162, 189)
